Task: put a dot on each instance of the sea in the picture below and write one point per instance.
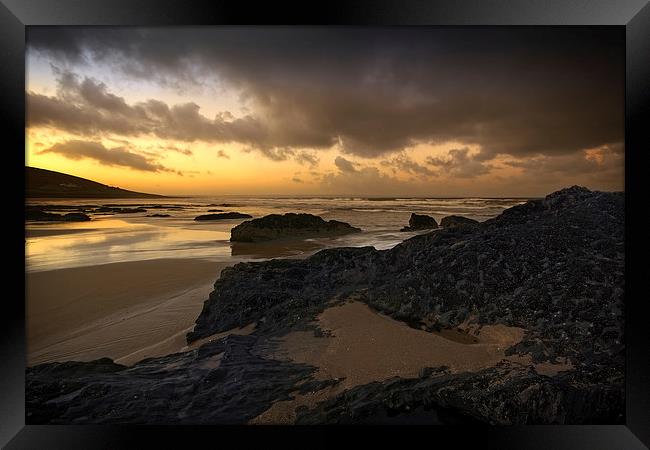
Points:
(120, 237)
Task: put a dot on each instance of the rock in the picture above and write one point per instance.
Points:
(42, 216)
(290, 225)
(280, 292)
(215, 210)
(76, 217)
(222, 216)
(455, 221)
(420, 222)
(507, 394)
(537, 268)
(58, 208)
(158, 215)
(221, 382)
(545, 266)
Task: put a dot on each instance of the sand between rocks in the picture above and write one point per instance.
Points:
(366, 346)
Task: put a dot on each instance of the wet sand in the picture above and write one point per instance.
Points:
(125, 311)
(366, 346)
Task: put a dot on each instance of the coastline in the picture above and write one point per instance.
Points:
(457, 321)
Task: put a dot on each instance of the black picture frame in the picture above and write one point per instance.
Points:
(633, 15)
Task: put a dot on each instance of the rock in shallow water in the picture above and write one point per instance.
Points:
(290, 225)
(42, 216)
(457, 221)
(420, 222)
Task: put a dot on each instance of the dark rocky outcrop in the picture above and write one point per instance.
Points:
(76, 217)
(222, 216)
(158, 215)
(38, 215)
(420, 222)
(290, 225)
(508, 394)
(457, 221)
(281, 293)
(215, 210)
(553, 266)
(59, 208)
(221, 382)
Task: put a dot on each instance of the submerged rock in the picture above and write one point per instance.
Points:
(290, 225)
(420, 222)
(222, 216)
(457, 221)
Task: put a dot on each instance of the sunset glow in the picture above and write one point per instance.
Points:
(413, 113)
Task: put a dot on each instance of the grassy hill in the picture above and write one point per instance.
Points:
(41, 183)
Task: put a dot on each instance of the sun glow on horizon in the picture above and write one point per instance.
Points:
(216, 125)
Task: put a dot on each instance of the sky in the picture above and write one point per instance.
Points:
(410, 111)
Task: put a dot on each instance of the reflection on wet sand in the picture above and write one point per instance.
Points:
(107, 240)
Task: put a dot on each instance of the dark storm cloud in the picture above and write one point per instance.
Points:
(523, 91)
(84, 106)
(604, 161)
(459, 164)
(118, 156)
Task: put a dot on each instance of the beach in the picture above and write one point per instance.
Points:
(379, 322)
(125, 311)
(130, 286)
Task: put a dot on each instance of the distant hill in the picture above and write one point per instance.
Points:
(41, 183)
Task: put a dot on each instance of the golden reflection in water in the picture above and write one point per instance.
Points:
(52, 246)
